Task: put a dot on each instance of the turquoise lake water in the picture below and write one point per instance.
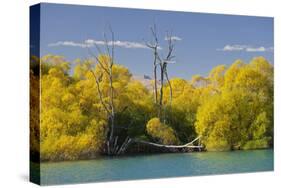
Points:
(156, 166)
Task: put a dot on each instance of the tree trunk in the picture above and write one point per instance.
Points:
(161, 94)
(170, 86)
(155, 79)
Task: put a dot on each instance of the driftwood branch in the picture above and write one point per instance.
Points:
(187, 145)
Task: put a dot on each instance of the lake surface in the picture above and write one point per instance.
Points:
(156, 166)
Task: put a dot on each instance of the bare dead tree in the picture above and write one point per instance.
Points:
(168, 60)
(154, 47)
(112, 140)
(110, 53)
(162, 62)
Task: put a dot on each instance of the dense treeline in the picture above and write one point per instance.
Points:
(231, 108)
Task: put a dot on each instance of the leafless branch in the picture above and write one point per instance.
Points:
(99, 91)
(98, 61)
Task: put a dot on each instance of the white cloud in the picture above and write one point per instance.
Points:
(246, 48)
(174, 38)
(92, 42)
(68, 43)
(233, 47)
(258, 49)
(127, 44)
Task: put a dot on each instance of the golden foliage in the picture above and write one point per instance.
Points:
(161, 132)
(231, 108)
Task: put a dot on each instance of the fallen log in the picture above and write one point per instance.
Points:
(187, 145)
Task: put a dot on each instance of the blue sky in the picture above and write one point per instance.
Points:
(206, 40)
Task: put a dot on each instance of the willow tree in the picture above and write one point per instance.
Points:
(240, 114)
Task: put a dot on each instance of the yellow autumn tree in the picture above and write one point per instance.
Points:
(240, 115)
(161, 132)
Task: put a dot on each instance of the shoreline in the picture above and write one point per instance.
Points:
(100, 157)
